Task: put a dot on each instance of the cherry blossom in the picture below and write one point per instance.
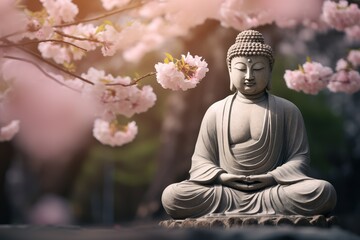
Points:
(110, 4)
(345, 81)
(353, 33)
(82, 31)
(60, 10)
(110, 39)
(117, 95)
(54, 51)
(242, 14)
(341, 15)
(113, 134)
(181, 74)
(9, 131)
(296, 80)
(354, 58)
(311, 77)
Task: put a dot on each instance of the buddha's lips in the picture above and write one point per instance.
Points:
(249, 84)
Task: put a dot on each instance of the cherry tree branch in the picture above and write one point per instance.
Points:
(76, 38)
(134, 82)
(12, 34)
(39, 41)
(41, 70)
(54, 65)
(136, 5)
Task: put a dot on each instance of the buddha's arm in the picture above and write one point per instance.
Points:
(205, 163)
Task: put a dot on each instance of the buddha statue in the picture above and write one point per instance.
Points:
(252, 153)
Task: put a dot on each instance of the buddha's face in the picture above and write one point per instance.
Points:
(250, 75)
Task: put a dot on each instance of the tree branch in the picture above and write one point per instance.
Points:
(140, 3)
(76, 38)
(39, 41)
(42, 70)
(134, 82)
(54, 65)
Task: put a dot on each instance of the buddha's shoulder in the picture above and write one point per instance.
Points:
(285, 104)
(216, 108)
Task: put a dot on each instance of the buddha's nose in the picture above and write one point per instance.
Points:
(249, 74)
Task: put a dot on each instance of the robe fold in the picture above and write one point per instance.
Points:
(282, 151)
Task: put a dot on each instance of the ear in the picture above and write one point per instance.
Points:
(268, 87)
(232, 87)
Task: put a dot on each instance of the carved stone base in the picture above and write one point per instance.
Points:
(227, 221)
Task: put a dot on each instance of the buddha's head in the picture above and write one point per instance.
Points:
(250, 63)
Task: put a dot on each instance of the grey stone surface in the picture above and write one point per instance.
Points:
(238, 221)
(152, 231)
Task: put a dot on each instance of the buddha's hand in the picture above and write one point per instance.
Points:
(234, 181)
(246, 183)
(261, 181)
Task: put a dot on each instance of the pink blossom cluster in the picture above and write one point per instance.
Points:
(108, 38)
(111, 4)
(354, 58)
(341, 15)
(310, 78)
(313, 77)
(117, 95)
(346, 79)
(41, 25)
(353, 33)
(110, 134)
(182, 74)
(241, 14)
(62, 53)
(60, 11)
(112, 97)
(62, 42)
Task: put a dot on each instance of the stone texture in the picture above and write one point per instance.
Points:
(248, 220)
(150, 231)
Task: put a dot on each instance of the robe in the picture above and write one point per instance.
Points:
(282, 151)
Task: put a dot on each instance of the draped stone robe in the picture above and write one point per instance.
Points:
(282, 151)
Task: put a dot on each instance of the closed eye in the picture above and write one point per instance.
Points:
(241, 69)
(258, 68)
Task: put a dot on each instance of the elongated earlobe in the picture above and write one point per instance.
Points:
(232, 87)
(268, 86)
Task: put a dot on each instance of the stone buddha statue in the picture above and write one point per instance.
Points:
(252, 153)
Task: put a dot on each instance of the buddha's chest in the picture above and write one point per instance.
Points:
(246, 122)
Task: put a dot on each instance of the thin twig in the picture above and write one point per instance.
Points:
(76, 38)
(42, 70)
(101, 16)
(134, 82)
(12, 34)
(54, 65)
(39, 41)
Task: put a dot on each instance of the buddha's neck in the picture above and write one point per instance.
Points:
(256, 98)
